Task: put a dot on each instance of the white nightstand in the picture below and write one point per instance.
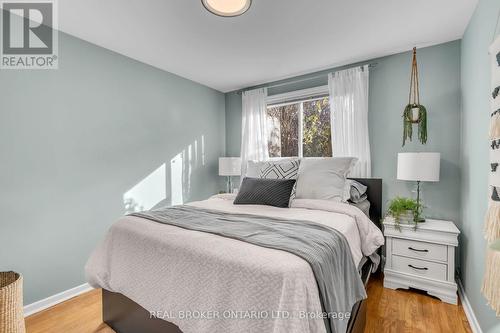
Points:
(422, 259)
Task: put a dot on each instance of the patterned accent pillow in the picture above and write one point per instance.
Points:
(286, 169)
(270, 192)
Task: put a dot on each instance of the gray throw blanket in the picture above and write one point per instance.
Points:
(324, 248)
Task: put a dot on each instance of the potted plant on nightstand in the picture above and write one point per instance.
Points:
(404, 210)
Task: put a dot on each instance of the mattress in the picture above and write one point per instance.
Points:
(180, 274)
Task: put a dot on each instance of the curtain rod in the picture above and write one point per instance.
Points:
(370, 65)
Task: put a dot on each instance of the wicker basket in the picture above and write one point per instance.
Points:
(11, 303)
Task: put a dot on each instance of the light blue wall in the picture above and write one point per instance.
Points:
(476, 91)
(74, 140)
(389, 80)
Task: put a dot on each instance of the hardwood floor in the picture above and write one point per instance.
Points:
(81, 314)
(388, 311)
(412, 311)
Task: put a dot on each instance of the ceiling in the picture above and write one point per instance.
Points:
(275, 39)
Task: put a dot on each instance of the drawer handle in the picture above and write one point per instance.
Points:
(420, 268)
(410, 248)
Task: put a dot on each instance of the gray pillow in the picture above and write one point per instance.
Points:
(364, 206)
(324, 178)
(270, 192)
(357, 191)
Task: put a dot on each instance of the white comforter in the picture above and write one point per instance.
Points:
(218, 281)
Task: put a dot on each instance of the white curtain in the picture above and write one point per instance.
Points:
(349, 117)
(253, 128)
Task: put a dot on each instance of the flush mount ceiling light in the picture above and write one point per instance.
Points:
(227, 8)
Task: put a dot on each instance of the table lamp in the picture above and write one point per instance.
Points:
(229, 166)
(419, 167)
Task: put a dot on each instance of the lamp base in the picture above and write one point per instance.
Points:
(421, 219)
(229, 185)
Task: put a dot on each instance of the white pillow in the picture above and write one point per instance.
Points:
(324, 178)
(253, 169)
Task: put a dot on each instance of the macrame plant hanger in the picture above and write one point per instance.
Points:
(414, 112)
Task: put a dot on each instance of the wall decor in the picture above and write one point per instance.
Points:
(495, 143)
(414, 113)
(491, 280)
(494, 194)
(495, 124)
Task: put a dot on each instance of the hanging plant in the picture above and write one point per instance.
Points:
(414, 112)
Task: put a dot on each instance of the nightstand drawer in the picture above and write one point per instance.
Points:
(423, 268)
(420, 250)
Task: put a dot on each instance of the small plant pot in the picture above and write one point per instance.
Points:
(415, 114)
(407, 217)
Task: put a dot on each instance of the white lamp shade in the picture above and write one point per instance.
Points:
(229, 166)
(419, 166)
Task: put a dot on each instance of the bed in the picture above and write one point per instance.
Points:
(156, 284)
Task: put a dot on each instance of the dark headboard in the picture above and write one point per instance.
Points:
(374, 193)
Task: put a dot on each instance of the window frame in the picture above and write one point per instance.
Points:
(296, 97)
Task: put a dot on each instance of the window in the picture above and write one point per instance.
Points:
(300, 128)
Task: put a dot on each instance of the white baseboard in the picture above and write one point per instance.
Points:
(474, 324)
(55, 299)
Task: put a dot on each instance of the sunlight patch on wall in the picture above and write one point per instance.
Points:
(196, 153)
(172, 183)
(147, 193)
(176, 180)
(203, 150)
